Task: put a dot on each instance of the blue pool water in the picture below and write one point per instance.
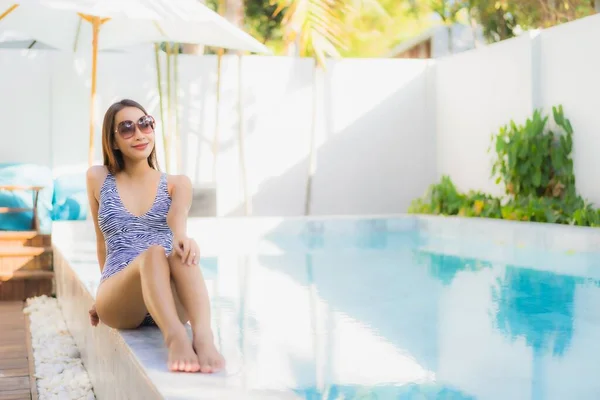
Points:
(389, 316)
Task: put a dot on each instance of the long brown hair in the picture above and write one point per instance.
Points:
(113, 159)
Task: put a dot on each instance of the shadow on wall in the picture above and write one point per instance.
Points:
(270, 89)
(195, 112)
(377, 164)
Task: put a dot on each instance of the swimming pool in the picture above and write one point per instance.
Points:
(403, 308)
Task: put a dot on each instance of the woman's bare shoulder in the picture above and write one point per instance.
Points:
(178, 181)
(95, 176)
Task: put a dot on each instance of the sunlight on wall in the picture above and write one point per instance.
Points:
(377, 120)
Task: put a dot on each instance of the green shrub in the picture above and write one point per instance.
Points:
(569, 210)
(534, 163)
(535, 209)
(444, 199)
(479, 204)
(534, 159)
(441, 198)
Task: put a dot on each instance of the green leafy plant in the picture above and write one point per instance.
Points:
(534, 159)
(585, 214)
(534, 163)
(535, 209)
(445, 199)
(479, 204)
(441, 198)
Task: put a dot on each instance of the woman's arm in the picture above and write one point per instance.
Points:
(181, 201)
(94, 176)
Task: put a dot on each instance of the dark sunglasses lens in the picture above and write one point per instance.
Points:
(126, 128)
(146, 124)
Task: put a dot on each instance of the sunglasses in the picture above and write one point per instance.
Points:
(127, 128)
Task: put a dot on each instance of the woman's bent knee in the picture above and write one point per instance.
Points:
(153, 254)
(156, 251)
(154, 257)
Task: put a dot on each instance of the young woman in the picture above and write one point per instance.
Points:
(149, 266)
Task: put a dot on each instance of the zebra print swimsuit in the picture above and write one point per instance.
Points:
(127, 235)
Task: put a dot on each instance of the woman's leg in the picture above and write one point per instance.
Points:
(123, 300)
(194, 297)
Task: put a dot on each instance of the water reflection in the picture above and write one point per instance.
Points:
(383, 319)
(399, 392)
(445, 267)
(537, 306)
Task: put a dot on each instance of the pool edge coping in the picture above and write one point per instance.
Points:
(66, 276)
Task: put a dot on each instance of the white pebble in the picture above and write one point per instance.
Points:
(58, 368)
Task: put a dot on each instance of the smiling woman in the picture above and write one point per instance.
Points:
(149, 267)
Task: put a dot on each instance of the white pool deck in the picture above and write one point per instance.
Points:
(132, 364)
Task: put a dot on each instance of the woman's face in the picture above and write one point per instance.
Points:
(134, 133)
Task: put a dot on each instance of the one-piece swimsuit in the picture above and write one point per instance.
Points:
(127, 235)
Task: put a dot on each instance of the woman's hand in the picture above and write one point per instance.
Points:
(94, 319)
(187, 248)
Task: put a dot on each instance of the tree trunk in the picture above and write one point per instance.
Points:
(191, 48)
(234, 13)
(503, 29)
(450, 39)
(473, 24)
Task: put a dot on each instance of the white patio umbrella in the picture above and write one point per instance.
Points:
(109, 24)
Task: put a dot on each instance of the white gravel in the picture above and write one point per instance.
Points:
(59, 371)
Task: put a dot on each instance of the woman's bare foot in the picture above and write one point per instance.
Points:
(181, 353)
(209, 358)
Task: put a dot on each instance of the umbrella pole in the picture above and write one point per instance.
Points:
(169, 104)
(215, 144)
(178, 140)
(241, 139)
(161, 103)
(96, 24)
(95, 29)
(10, 9)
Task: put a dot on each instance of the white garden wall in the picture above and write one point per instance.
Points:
(385, 128)
(373, 124)
(570, 75)
(479, 91)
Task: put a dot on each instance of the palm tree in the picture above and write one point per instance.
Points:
(317, 28)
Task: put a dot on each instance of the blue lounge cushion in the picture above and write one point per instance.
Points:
(26, 175)
(70, 198)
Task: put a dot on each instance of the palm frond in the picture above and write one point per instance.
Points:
(317, 24)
